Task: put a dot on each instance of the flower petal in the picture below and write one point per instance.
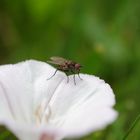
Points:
(74, 110)
(17, 86)
(19, 94)
(16, 91)
(84, 107)
(30, 132)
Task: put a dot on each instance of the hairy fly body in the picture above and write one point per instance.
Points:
(67, 66)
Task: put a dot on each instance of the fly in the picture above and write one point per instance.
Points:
(67, 66)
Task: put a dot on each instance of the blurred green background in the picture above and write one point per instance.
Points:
(103, 35)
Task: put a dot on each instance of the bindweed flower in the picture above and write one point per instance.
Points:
(34, 108)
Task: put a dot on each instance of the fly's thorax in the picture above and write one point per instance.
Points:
(63, 67)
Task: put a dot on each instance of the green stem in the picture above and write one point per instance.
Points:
(131, 127)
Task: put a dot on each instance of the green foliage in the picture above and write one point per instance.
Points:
(102, 35)
(6, 134)
(129, 132)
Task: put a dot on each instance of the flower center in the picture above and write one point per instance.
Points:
(42, 113)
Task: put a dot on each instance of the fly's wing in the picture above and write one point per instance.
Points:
(53, 62)
(58, 60)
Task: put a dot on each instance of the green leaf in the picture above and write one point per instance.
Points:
(131, 127)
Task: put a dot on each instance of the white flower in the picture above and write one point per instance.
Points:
(34, 108)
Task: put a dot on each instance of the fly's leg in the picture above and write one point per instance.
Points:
(67, 77)
(79, 76)
(53, 74)
(74, 79)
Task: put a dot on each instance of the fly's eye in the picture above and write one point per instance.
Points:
(77, 65)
